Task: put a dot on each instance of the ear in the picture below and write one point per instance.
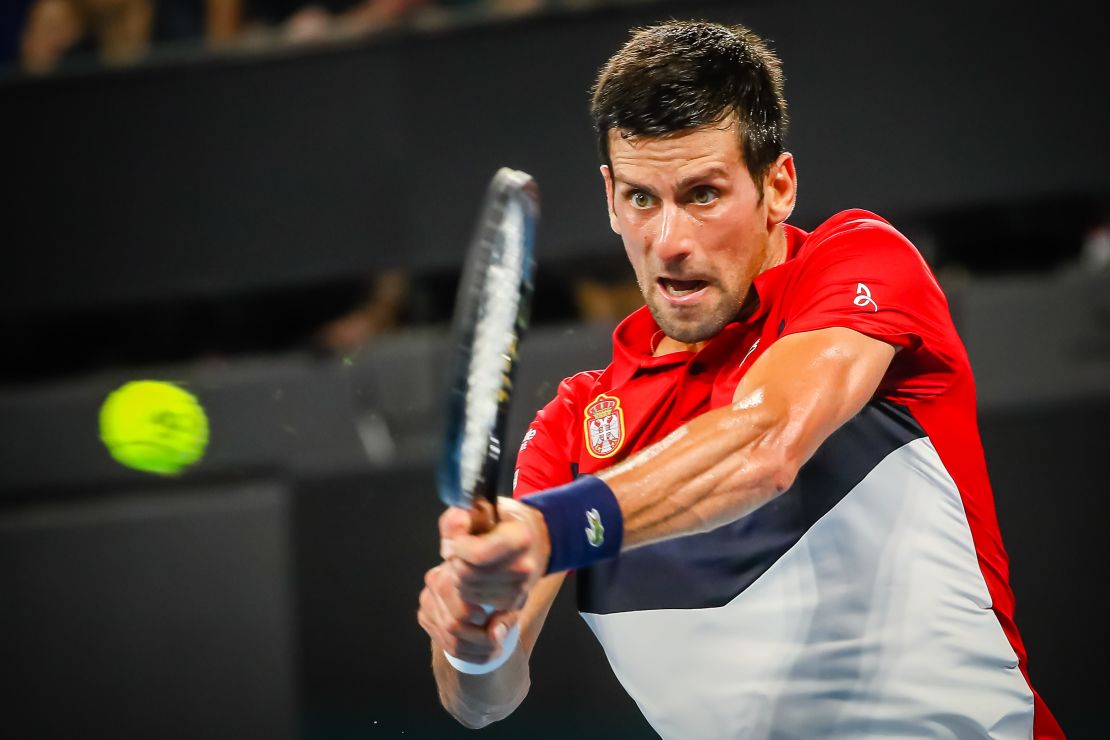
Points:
(780, 189)
(607, 176)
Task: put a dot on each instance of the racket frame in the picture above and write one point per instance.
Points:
(508, 189)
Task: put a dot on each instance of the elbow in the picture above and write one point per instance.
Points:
(784, 456)
(782, 477)
(779, 473)
(474, 721)
(476, 718)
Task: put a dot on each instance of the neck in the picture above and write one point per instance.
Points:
(776, 249)
(668, 345)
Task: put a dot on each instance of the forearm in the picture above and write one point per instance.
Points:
(477, 700)
(715, 469)
(728, 462)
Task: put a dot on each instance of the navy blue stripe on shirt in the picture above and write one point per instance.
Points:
(711, 569)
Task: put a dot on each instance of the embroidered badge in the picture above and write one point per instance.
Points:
(604, 426)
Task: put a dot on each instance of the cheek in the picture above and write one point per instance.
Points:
(635, 257)
(736, 258)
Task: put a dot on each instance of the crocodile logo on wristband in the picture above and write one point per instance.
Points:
(595, 533)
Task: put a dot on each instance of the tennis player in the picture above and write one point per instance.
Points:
(775, 497)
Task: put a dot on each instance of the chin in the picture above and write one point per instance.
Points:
(691, 328)
(688, 332)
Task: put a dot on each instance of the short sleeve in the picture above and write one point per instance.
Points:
(546, 455)
(868, 277)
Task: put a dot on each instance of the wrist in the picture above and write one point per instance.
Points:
(582, 522)
(539, 547)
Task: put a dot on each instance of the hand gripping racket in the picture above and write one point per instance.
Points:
(491, 313)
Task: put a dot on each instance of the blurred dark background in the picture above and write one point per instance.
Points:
(268, 202)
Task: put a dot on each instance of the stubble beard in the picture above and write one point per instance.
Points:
(697, 324)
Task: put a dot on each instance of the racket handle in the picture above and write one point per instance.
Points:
(508, 645)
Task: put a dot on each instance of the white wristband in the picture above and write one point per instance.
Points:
(508, 645)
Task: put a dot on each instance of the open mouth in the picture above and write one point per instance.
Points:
(681, 291)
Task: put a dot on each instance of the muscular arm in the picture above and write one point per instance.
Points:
(729, 461)
(714, 470)
(448, 613)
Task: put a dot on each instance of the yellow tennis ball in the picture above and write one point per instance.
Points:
(153, 426)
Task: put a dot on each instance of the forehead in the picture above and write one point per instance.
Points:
(682, 154)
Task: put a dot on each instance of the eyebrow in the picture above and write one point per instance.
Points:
(685, 183)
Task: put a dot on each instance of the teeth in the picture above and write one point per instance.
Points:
(679, 288)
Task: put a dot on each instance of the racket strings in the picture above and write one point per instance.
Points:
(492, 348)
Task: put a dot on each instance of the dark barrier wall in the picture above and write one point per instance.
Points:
(271, 592)
(194, 178)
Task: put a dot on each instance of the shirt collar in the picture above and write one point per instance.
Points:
(634, 341)
(770, 283)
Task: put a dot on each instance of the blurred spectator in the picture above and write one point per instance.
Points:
(606, 301)
(379, 312)
(329, 18)
(1094, 255)
(322, 19)
(119, 29)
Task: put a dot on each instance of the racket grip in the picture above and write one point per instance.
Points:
(508, 645)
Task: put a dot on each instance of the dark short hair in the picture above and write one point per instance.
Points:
(681, 75)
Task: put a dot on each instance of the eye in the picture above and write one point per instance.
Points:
(703, 195)
(640, 199)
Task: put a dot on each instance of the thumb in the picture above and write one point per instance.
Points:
(453, 522)
(500, 624)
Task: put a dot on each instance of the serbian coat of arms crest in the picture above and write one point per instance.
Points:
(604, 426)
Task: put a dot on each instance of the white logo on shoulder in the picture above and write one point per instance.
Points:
(863, 297)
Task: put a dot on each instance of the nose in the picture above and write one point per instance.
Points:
(672, 239)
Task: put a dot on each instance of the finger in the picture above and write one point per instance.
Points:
(458, 638)
(498, 596)
(500, 623)
(500, 589)
(513, 573)
(453, 522)
(506, 542)
(446, 642)
(511, 569)
(426, 620)
(462, 623)
(443, 582)
(463, 609)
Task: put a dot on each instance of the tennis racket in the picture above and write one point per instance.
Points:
(491, 314)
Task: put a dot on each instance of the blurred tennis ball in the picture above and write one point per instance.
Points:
(154, 426)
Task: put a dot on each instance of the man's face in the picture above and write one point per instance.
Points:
(693, 224)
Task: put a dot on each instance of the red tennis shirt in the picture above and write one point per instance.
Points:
(879, 577)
